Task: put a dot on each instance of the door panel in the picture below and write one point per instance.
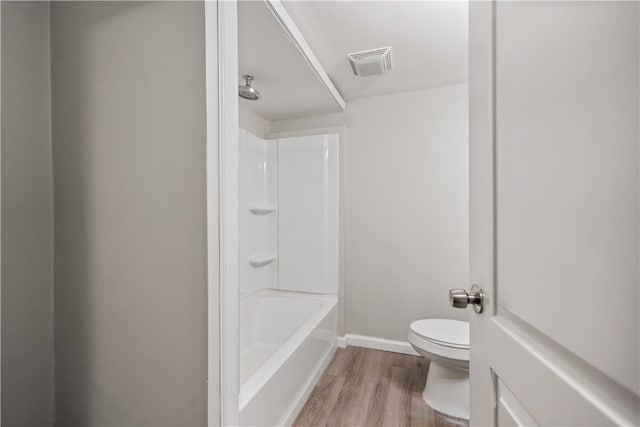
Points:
(554, 131)
(567, 176)
(554, 386)
(511, 411)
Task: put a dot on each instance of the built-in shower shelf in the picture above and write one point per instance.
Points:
(261, 260)
(262, 208)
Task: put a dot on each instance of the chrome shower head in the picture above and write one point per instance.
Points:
(246, 91)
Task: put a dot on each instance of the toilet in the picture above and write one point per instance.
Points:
(446, 344)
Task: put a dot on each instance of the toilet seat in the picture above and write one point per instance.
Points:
(446, 332)
(448, 339)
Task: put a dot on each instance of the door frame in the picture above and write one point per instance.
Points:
(228, 175)
(0, 209)
(221, 53)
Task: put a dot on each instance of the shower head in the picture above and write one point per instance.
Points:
(246, 91)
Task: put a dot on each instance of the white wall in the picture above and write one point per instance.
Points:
(27, 217)
(129, 122)
(406, 177)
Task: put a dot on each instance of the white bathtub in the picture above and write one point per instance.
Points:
(286, 341)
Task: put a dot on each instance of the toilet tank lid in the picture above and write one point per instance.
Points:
(445, 331)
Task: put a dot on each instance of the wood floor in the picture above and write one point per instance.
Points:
(363, 387)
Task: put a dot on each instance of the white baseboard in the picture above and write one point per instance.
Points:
(375, 343)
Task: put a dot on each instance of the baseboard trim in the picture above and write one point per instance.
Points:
(375, 343)
(342, 342)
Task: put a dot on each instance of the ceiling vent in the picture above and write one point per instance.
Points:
(371, 62)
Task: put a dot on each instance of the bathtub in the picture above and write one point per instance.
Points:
(286, 341)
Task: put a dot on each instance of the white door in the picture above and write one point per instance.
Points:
(554, 157)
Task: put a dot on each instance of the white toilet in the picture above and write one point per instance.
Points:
(446, 344)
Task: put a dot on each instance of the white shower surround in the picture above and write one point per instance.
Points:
(288, 213)
(258, 215)
(288, 269)
(308, 213)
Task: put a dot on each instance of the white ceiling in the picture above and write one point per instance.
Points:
(288, 85)
(429, 41)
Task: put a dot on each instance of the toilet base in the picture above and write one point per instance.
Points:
(447, 390)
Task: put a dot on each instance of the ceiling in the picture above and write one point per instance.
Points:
(288, 85)
(429, 41)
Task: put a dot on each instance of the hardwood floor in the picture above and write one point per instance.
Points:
(363, 387)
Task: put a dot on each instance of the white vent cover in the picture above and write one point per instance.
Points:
(371, 62)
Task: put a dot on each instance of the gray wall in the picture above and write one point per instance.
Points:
(27, 217)
(407, 193)
(128, 92)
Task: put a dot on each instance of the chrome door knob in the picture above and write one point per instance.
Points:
(460, 298)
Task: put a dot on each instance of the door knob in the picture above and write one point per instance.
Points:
(460, 298)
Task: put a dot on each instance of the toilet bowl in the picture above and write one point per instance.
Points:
(446, 344)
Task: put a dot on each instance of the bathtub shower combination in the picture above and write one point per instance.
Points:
(288, 247)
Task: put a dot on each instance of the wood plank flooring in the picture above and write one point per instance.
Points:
(364, 387)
